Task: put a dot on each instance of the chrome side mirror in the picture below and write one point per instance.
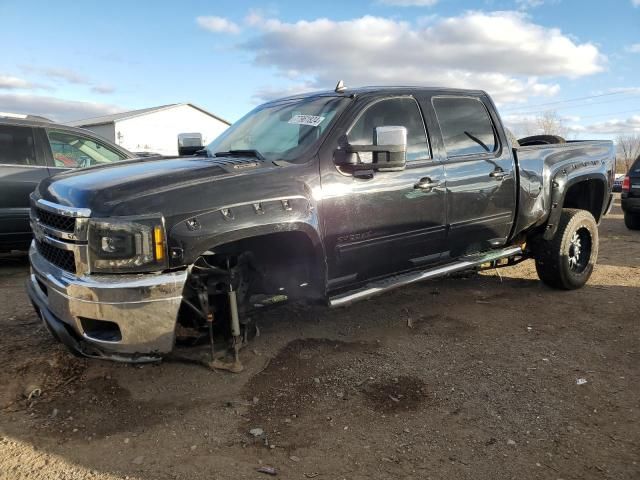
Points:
(389, 151)
(189, 143)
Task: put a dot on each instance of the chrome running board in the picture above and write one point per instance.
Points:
(387, 284)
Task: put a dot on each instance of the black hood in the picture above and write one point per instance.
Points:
(156, 185)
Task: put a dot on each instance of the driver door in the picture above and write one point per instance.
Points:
(387, 222)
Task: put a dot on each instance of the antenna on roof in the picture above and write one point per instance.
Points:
(340, 87)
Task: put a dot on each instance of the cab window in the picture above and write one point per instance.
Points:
(17, 146)
(393, 112)
(75, 151)
(465, 125)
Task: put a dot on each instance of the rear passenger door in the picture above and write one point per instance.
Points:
(480, 176)
(21, 169)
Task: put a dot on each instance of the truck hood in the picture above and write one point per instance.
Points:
(141, 186)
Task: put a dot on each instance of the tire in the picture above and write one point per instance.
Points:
(632, 222)
(541, 140)
(567, 260)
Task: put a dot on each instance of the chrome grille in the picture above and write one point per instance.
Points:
(53, 220)
(60, 234)
(64, 259)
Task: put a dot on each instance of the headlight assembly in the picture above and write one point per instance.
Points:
(127, 244)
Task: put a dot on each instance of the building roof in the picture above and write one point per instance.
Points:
(137, 113)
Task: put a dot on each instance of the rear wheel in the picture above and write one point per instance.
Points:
(632, 222)
(567, 260)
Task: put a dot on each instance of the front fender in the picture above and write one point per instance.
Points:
(230, 223)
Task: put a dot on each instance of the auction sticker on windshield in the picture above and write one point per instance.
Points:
(311, 120)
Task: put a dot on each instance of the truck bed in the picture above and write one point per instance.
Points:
(540, 166)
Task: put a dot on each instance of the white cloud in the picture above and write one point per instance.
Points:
(410, 3)
(523, 125)
(502, 52)
(54, 108)
(9, 82)
(103, 89)
(58, 73)
(218, 25)
(634, 48)
(630, 90)
(55, 75)
(635, 3)
(526, 4)
(612, 127)
(67, 75)
(272, 93)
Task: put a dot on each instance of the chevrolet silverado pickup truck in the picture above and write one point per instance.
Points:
(329, 197)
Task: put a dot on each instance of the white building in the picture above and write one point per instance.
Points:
(155, 129)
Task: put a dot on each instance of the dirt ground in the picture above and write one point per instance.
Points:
(468, 378)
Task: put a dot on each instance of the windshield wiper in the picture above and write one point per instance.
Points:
(240, 153)
(477, 140)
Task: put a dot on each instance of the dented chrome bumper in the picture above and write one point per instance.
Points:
(128, 317)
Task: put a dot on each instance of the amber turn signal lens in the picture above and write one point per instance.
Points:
(158, 241)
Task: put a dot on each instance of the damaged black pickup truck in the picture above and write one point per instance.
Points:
(328, 197)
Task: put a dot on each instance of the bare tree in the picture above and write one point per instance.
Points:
(550, 123)
(628, 149)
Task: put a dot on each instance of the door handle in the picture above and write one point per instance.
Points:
(426, 184)
(499, 174)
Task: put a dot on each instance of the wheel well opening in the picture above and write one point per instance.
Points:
(261, 271)
(586, 195)
(281, 262)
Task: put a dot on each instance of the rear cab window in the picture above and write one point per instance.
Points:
(71, 150)
(466, 126)
(17, 146)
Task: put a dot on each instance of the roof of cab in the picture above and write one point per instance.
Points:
(381, 90)
(36, 121)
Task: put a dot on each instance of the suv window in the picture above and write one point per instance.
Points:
(393, 112)
(72, 151)
(465, 125)
(17, 146)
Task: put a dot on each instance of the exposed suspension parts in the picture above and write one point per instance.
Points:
(217, 293)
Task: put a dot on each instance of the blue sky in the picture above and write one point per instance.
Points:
(72, 60)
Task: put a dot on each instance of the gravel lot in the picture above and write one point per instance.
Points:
(468, 378)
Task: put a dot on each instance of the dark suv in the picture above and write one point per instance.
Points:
(34, 148)
(631, 196)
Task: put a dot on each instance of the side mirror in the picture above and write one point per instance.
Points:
(389, 151)
(189, 143)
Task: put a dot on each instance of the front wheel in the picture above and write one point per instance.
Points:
(567, 260)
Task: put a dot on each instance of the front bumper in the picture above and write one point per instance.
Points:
(140, 310)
